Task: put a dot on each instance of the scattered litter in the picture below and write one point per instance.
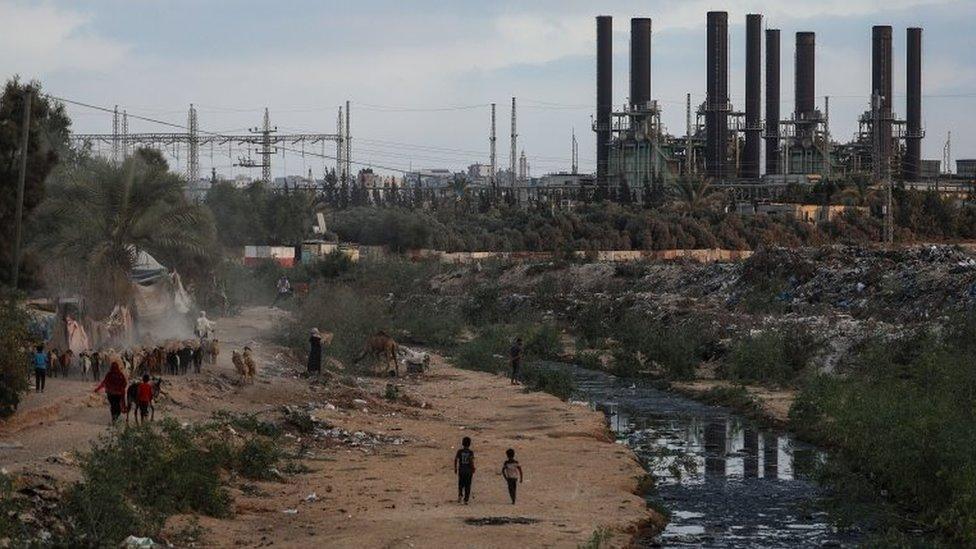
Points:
(312, 497)
(11, 445)
(290, 511)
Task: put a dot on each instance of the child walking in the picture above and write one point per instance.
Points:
(464, 468)
(512, 472)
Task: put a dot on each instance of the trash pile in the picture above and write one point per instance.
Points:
(366, 442)
(33, 505)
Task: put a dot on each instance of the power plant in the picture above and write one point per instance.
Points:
(726, 144)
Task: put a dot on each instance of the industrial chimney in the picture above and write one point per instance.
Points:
(805, 88)
(717, 98)
(604, 93)
(640, 62)
(772, 101)
(881, 85)
(750, 165)
(912, 164)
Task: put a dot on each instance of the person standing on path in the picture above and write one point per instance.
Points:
(284, 289)
(40, 369)
(512, 472)
(515, 358)
(464, 469)
(115, 385)
(314, 351)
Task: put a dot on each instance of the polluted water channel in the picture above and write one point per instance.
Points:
(725, 481)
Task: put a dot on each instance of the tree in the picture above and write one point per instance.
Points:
(102, 221)
(695, 195)
(47, 145)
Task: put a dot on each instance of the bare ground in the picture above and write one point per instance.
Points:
(394, 489)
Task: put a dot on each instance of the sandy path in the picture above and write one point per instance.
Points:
(390, 495)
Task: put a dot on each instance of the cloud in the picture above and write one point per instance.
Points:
(41, 39)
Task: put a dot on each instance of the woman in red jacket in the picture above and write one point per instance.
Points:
(114, 384)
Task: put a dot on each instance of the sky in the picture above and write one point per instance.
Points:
(421, 74)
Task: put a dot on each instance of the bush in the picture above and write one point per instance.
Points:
(486, 352)
(543, 342)
(429, 322)
(340, 309)
(15, 359)
(677, 347)
(775, 356)
(550, 380)
(331, 265)
(904, 423)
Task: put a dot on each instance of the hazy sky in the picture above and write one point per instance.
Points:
(420, 74)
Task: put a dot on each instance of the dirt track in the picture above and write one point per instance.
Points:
(383, 495)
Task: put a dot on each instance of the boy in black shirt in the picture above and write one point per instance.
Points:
(512, 472)
(464, 468)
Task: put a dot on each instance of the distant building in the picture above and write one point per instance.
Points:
(565, 180)
(436, 178)
(479, 171)
(966, 167)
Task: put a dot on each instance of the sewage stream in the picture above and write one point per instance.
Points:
(748, 487)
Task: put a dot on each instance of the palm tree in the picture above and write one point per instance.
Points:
(695, 194)
(105, 215)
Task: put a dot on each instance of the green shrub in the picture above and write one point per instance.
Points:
(543, 341)
(589, 360)
(15, 359)
(342, 310)
(554, 381)
(904, 424)
(482, 305)
(597, 539)
(429, 322)
(133, 478)
(257, 457)
(487, 351)
(676, 347)
(775, 356)
(331, 265)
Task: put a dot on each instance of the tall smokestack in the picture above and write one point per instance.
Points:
(912, 164)
(604, 93)
(717, 99)
(750, 165)
(805, 88)
(772, 101)
(881, 85)
(640, 62)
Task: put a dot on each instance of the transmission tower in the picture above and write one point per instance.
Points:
(115, 136)
(193, 144)
(947, 154)
(514, 138)
(575, 153)
(491, 141)
(125, 135)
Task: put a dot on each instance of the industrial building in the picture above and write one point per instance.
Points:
(725, 144)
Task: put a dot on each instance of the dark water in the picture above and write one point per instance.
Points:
(742, 486)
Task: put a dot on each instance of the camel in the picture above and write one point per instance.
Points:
(381, 346)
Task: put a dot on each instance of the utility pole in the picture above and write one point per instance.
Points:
(689, 150)
(514, 139)
(493, 161)
(348, 140)
(193, 146)
(21, 181)
(340, 148)
(266, 152)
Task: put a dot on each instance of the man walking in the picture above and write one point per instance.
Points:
(40, 369)
(464, 469)
(515, 357)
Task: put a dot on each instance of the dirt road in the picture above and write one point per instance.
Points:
(390, 482)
